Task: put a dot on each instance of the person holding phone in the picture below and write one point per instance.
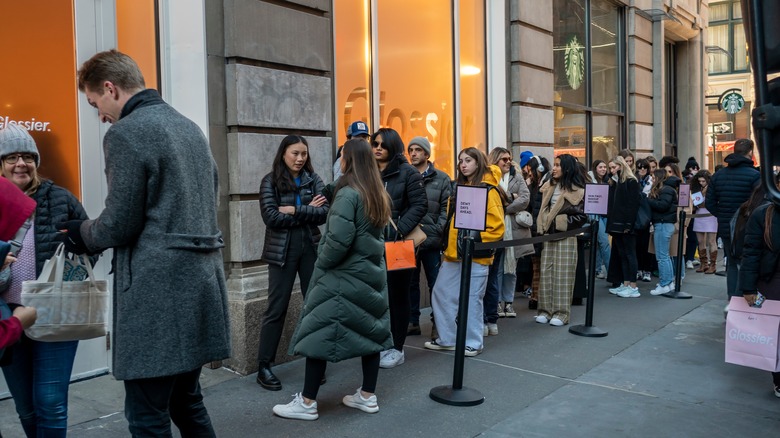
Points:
(758, 273)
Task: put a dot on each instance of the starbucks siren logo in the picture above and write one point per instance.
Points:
(732, 102)
(574, 62)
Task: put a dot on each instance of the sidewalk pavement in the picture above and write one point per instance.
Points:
(659, 372)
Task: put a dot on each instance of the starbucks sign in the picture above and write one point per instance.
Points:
(574, 62)
(732, 102)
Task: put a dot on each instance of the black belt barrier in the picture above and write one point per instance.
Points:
(458, 395)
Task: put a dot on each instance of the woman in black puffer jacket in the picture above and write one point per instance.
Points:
(663, 207)
(405, 186)
(38, 374)
(292, 206)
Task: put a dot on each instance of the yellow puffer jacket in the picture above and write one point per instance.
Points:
(494, 229)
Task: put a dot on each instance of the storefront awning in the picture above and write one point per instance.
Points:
(724, 146)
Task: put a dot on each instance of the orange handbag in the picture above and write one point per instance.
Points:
(399, 254)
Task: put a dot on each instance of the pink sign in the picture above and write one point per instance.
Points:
(471, 208)
(684, 195)
(596, 198)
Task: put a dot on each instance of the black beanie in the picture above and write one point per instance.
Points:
(691, 164)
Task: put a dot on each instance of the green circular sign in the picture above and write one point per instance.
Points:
(574, 62)
(732, 102)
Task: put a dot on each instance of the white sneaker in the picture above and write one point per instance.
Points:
(689, 264)
(471, 352)
(492, 329)
(696, 262)
(501, 312)
(660, 290)
(601, 275)
(629, 292)
(357, 401)
(510, 311)
(392, 359)
(297, 409)
(556, 322)
(646, 276)
(616, 290)
(541, 319)
(485, 330)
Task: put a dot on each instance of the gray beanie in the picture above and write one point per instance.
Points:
(14, 138)
(423, 143)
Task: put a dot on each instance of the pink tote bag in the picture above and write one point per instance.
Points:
(752, 334)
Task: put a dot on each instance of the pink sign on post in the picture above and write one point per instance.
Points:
(684, 195)
(471, 208)
(596, 198)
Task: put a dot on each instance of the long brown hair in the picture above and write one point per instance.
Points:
(362, 174)
(482, 166)
(659, 176)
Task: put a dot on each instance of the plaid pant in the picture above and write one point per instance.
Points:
(556, 283)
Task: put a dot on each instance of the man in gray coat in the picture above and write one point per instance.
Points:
(160, 217)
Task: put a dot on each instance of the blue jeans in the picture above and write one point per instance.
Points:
(494, 282)
(38, 378)
(506, 282)
(603, 253)
(430, 260)
(662, 235)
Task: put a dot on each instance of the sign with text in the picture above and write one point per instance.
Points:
(596, 198)
(471, 208)
(684, 195)
(697, 198)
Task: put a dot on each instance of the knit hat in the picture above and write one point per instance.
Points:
(525, 157)
(691, 164)
(14, 138)
(422, 142)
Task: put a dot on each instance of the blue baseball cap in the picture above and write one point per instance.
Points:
(357, 128)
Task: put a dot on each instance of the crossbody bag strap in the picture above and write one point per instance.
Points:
(16, 242)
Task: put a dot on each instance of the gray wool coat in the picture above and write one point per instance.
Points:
(169, 295)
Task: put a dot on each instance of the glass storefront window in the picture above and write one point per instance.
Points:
(719, 36)
(43, 52)
(415, 72)
(606, 137)
(472, 74)
(353, 62)
(605, 65)
(740, 48)
(136, 34)
(569, 50)
(570, 133)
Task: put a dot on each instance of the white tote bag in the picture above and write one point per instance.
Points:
(69, 306)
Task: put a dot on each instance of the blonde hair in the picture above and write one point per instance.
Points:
(625, 172)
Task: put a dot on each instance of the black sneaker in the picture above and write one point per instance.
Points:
(267, 379)
(413, 330)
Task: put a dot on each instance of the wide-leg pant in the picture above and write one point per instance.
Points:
(446, 294)
(556, 281)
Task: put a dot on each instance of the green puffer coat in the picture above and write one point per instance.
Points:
(346, 313)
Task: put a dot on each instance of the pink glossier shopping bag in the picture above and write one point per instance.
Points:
(752, 334)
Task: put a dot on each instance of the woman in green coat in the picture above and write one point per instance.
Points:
(345, 313)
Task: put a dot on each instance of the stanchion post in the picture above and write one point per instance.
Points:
(679, 266)
(456, 394)
(588, 330)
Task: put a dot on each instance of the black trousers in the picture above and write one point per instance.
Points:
(398, 291)
(624, 254)
(315, 370)
(151, 404)
(299, 260)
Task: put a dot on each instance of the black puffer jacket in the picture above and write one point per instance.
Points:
(278, 225)
(55, 206)
(759, 264)
(664, 207)
(438, 188)
(623, 205)
(405, 186)
(729, 188)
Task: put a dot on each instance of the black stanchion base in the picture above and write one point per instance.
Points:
(721, 273)
(679, 295)
(456, 397)
(588, 332)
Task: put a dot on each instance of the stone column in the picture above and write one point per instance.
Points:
(645, 55)
(270, 67)
(531, 77)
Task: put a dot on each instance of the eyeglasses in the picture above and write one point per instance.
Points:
(377, 144)
(12, 159)
(505, 159)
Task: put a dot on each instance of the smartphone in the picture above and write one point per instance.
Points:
(759, 300)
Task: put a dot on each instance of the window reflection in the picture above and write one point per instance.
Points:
(353, 60)
(570, 133)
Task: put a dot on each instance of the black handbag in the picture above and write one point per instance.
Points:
(643, 214)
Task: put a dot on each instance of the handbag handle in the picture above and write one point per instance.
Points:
(397, 233)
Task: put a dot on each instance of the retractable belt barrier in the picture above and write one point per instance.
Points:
(458, 395)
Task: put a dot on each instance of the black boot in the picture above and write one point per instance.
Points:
(533, 304)
(267, 379)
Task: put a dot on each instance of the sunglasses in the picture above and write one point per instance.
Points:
(378, 144)
(641, 167)
(505, 159)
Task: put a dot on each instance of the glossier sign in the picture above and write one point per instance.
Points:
(32, 124)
